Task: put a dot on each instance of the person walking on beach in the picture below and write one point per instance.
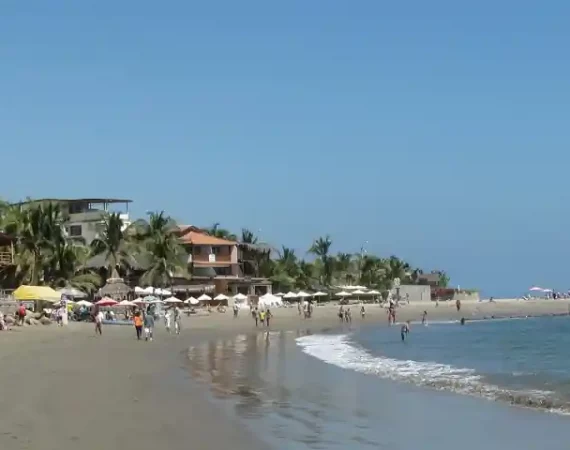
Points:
(138, 321)
(268, 316)
(177, 320)
(405, 330)
(167, 320)
(236, 311)
(341, 313)
(98, 319)
(458, 305)
(21, 314)
(255, 315)
(262, 317)
(148, 327)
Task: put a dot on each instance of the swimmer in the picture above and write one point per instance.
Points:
(405, 330)
(463, 321)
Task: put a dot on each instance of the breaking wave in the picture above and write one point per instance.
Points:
(339, 351)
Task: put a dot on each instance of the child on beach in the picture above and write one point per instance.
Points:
(138, 321)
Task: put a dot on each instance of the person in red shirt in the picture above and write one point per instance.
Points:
(21, 314)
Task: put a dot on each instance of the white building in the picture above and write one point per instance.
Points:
(84, 216)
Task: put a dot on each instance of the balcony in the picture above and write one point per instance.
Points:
(6, 258)
(204, 258)
(94, 215)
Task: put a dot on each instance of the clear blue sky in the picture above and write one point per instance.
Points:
(437, 131)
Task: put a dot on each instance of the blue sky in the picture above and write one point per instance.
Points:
(437, 131)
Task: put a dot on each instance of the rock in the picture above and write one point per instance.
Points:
(45, 321)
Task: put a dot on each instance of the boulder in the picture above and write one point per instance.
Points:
(45, 321)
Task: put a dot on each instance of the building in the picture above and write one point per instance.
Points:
(83, 217)
(6, 250)
(214, 264)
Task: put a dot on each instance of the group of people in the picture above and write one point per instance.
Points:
(144, 321)
(261, 315)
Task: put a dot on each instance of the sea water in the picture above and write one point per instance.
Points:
(447, 387)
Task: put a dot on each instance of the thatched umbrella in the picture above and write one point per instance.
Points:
(115, 287)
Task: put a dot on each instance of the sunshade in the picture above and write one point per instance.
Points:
(536, 288)
(126, 303)
(72, 292)
(320, 294)
(343, 294)
(221, 297)
(191, 301)
(290, 295)
(303, 294)
(139, 301)
(106, 301)
(240, 296)
(204, 298)
(83, 303)
(173, 300)
(46, 293)
(359, 292)
(280, 294)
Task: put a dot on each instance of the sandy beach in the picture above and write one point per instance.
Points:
(64, 388)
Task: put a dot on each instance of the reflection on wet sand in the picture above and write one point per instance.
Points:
(266, 378)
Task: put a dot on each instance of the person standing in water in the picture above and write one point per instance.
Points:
(405, 330)
(424, 318)
(362, 312)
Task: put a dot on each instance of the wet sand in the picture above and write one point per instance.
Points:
(67, 389)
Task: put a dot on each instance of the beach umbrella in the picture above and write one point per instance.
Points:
(106, 301)
(303, 294)
(240, 297)
(221, 297)
(343, 294)
(139, 301)
(173, 300)
(280, 294)
(290, 295)
(536, 288)
(84, 303)
(191, 301)
(204, 298)
(320, 294)
(72, 292)
(126, 303)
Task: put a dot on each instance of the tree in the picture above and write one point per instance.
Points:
(114, 243)
(221, 233)
(321, 248)
(343, 266)
(163, 251)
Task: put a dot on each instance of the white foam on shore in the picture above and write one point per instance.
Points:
(339, 351)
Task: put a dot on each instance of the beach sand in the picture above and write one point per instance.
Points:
(65, 388)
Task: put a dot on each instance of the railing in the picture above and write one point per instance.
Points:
(204, 258)
(6, 258)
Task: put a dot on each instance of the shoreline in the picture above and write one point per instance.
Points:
(65, 388)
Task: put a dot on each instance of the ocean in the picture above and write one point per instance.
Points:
(488, 384)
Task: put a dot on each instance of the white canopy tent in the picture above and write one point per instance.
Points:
(204, 298)
(290, 294)
(221, 297)
(269, 300)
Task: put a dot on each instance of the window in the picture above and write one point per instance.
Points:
(215, 250)
(197, 250)
(75, 230)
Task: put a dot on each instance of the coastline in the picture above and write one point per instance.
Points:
(65, 388)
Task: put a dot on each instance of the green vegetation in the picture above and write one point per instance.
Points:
(151, 251)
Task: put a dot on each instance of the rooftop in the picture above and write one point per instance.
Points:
(74, 200)
(191, 235)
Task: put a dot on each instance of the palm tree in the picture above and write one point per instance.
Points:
(321, 248)
(113, 242)
(66, 268)
(221, 233)
(305, 275)
(343, 265)
(163, 249)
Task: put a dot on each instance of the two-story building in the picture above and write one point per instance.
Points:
(214, 265)
(84, 217)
